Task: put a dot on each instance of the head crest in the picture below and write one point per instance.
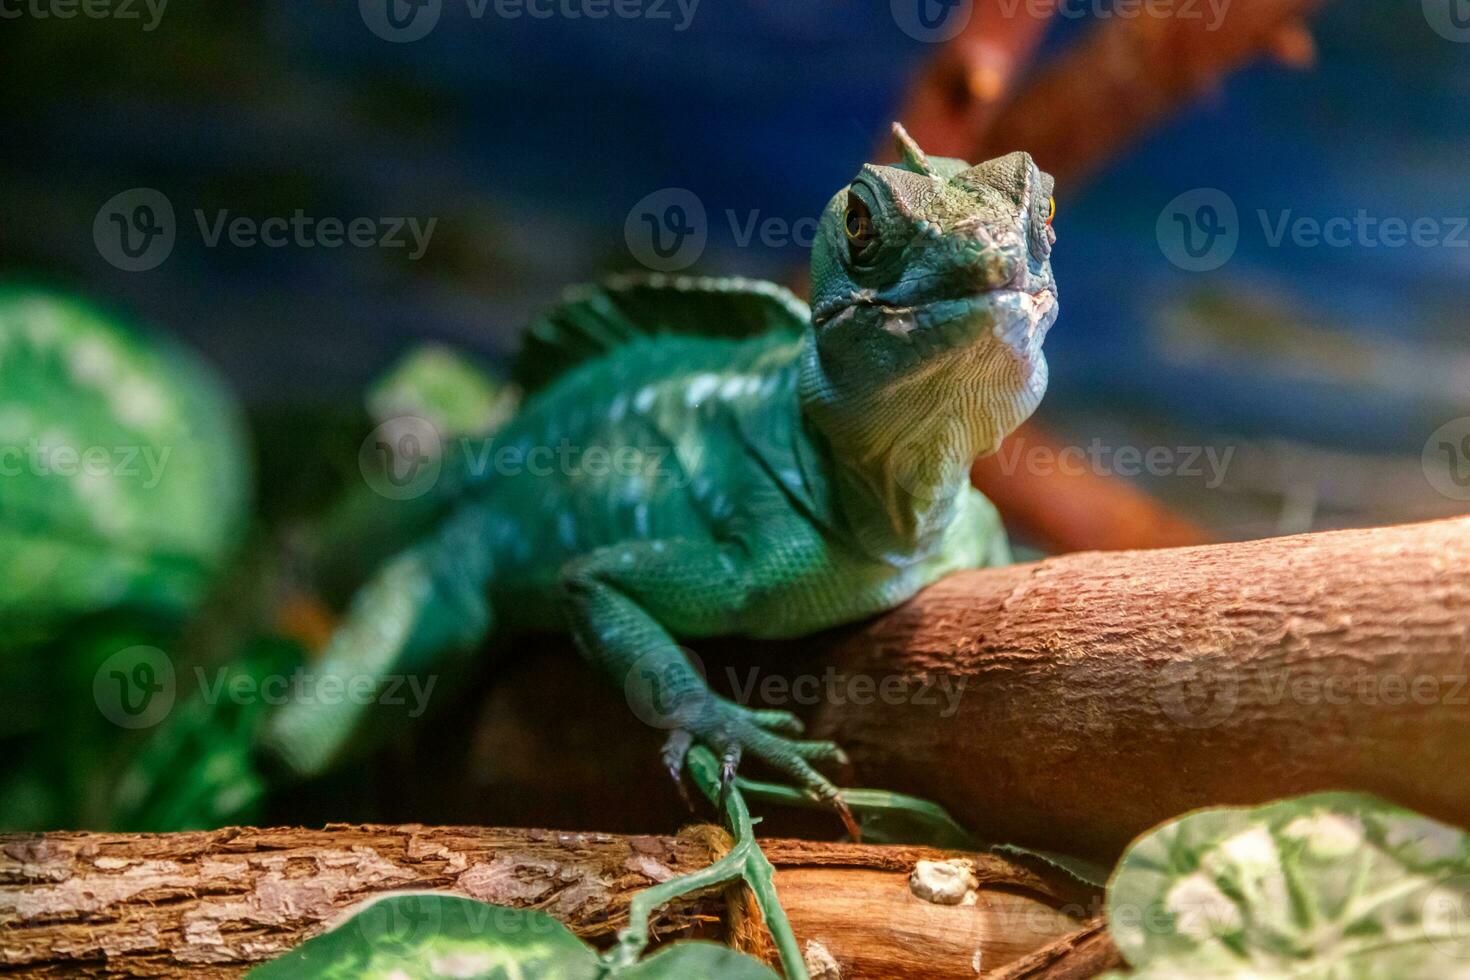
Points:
(913, 157)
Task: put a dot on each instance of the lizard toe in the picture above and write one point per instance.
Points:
(781, 722)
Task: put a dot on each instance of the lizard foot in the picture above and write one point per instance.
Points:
(732, 731)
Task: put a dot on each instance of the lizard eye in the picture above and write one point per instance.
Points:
(862, 235)
(1051, 209)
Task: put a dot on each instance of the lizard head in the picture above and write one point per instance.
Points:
(933, 272)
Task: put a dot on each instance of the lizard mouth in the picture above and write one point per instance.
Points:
(1016, 317)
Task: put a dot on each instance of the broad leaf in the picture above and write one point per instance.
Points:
(432, 935)
(1334, 886)
(123, 461)
(429, 935)
(697, 961)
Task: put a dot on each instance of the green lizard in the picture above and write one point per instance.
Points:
(783, 469)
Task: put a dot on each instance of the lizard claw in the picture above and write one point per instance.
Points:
(734, 731)
(676, 747)
(728, 764)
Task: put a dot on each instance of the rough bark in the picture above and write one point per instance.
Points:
(210, 904)
(1089, 952)
(1104, 693)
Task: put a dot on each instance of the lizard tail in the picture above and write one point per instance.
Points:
(416, 620)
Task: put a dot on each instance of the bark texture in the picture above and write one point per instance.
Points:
(1104, 693)
(1086, 953)
(211, 904)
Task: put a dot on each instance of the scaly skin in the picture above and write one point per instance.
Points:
(770, 486)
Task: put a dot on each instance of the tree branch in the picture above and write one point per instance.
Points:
(1079, 701)
(1129, 74)
(210, 904)
(1086, 953)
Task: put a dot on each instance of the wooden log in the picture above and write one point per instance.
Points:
(210, 904)
(1102, 694)
(1089, 952)
(1099, 694)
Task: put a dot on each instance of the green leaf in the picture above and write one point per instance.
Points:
(436, 383)
(430, 935)
(433, 935)
(1085, 871)
(1335, 885)
(688, 961)
(124, 466)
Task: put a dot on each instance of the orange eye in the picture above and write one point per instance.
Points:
(1051, 211)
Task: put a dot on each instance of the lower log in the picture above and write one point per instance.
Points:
(1095, 695)
(211, 904)
(1089, 952)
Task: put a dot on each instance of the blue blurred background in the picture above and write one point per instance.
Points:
(1322, 369)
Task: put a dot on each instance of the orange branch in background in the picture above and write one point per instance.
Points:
(1130, 74)
(1069, 510)
(965, 85)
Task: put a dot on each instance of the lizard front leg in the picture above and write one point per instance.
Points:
(625, 603)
